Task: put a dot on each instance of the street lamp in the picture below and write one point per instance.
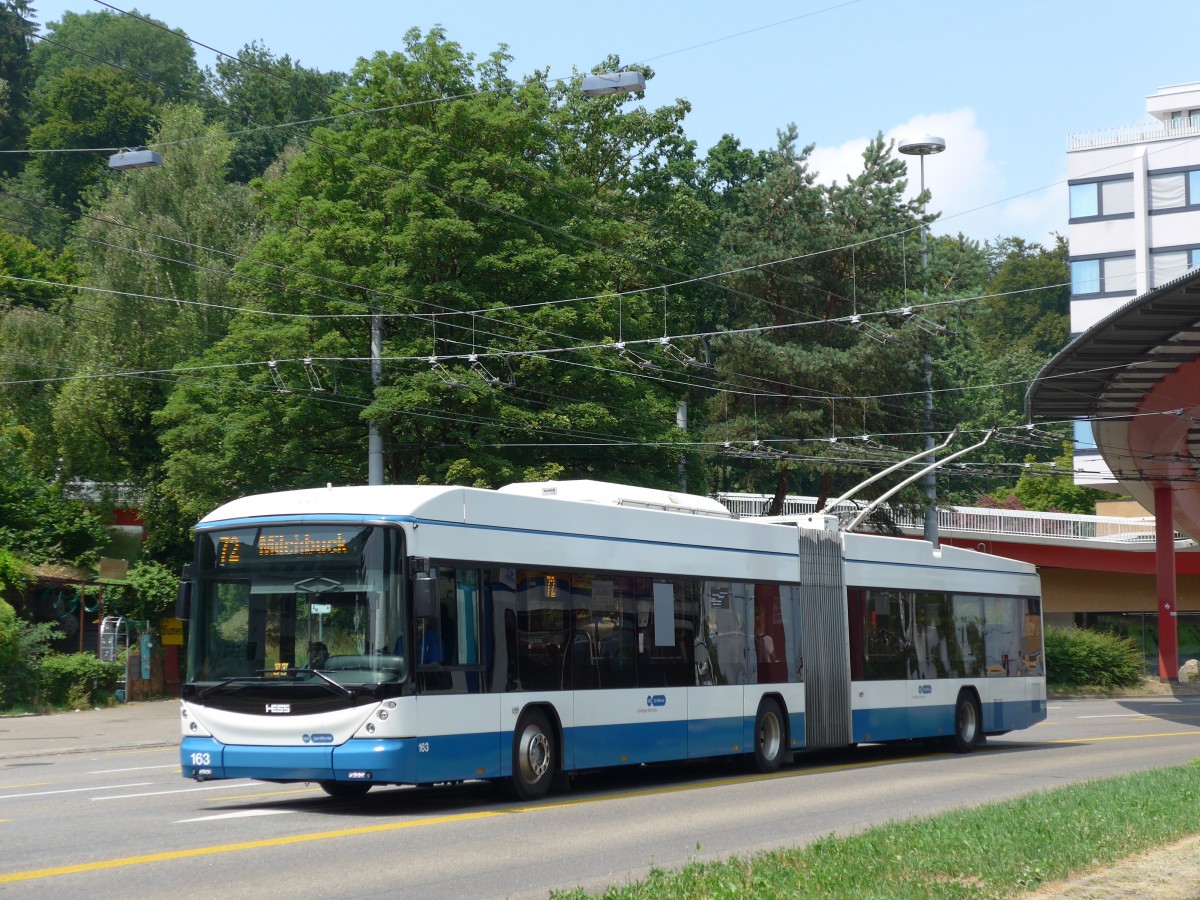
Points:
(141, 158)
(923, 147)
(601, 84)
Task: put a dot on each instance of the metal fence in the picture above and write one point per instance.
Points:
(975, 520)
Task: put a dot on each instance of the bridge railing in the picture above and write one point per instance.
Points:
(997, 523)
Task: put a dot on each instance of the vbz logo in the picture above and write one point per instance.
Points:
(656, 700)
(925, 689)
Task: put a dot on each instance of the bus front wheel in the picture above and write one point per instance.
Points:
(533, 756)
(768, 737)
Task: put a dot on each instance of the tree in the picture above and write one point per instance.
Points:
(83, 109)
(169, 297)
(159, 57)
(261, 91)
(16, 77)
(148, 594)
(1030, 302)
(31, 342)
(467, 222)
(1052, 488)
(813, 374)
(38, 523)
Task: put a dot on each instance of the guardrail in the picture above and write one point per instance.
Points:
(976, 520)
(1133, 134)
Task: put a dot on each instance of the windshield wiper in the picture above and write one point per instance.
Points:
(211, 689)
(337, 684)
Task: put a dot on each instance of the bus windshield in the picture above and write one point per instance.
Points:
(310, 602)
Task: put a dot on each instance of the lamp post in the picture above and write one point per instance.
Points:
(141, 158)
(923, 147)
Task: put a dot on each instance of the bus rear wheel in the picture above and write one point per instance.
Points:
(768, 736)
(968, 730)
(533, 756)
(345, 790)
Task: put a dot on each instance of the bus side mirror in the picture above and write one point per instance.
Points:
(425, 597)
(183, 602)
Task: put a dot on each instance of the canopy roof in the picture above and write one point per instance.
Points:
(1136, 376)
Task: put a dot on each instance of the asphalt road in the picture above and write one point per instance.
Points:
(120, 822)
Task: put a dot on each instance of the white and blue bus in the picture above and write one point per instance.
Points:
(356, 636)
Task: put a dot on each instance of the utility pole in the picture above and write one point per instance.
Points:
(681, 465)
(374, 439)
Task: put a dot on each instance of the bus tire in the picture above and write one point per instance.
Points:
(768, 736)
(968, 723)
(345, 790)
(533, 756)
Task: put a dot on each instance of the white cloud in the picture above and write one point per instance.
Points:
(966, 184)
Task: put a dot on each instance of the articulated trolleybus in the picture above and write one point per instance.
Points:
(357, 636)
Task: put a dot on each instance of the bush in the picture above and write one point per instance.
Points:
(23, 646)
(1079, 657)
(75, 679)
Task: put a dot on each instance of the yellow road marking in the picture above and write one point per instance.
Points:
(9, 787)
(1124, 737)
(196, 852)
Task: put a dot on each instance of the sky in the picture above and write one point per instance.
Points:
(1003, 83)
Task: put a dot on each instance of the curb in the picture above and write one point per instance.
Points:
(91, 748)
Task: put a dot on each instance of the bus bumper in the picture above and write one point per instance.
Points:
(390, 761)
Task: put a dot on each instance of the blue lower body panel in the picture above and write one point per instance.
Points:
(715, 737)
(615, 745)
(887, 724)
(387, 761)
(899, 724)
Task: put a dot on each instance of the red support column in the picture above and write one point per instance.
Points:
(1164, 542)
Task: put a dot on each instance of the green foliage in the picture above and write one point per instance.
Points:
(512, 232)
(105, 426)
(1030, 302)
(1050, 487)
(37, 521)
(785, 379)
(31, 340)
(151, 53)
(149, 593)
(259, 90)
(23, 647)
(14, 572)
(8, 625)
(76, 679)
(16, 76)
(973, 853)
(27, 210)
(1078, 656)
(86, 108)
(488, 212)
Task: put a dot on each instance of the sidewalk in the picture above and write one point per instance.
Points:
(152, 723)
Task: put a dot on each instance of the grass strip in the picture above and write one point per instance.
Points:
(999, 850)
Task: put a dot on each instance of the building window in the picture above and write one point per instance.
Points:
(1103, 275)
(1167, 265)
(1170, 191)
(1109, 198)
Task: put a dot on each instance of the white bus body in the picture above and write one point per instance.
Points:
(520, 634)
